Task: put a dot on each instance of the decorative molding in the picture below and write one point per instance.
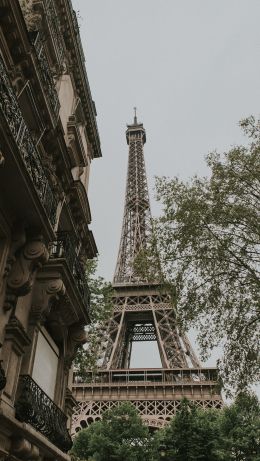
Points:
(76, 337)
(15, 332)
(31, 17)
(18, 240)
(20, 278)
(24, 449)
(44, 292)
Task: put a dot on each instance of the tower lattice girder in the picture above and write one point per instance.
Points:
(137, 213)
(142, 311)
(148, 306)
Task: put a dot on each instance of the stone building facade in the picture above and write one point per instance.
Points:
(48, 138)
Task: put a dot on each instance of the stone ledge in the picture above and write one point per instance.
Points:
(17, 429)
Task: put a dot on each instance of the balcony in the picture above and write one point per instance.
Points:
(46, 75)
(20, 133)
(64, 247)
(54, 28)
(34, 407)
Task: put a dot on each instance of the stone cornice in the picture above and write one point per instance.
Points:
(33, 436)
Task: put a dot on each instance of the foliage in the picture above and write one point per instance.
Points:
(120, 435)
(208, 238)
(240, 429)
(89, 355)
(193, 434)
(229, 434)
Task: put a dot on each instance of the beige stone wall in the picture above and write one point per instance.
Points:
(66, 98)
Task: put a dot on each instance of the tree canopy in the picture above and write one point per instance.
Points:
(230, 434)
(208, 239)
(240, 430)
(194, 434)
(120, 435)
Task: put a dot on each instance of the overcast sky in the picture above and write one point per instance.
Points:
(192, 69)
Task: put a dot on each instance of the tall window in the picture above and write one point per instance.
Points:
(46, 363)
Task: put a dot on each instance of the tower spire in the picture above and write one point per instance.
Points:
(137, 212)
(135, 117)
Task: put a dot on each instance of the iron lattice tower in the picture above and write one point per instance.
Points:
(142, 312)
(137, 213)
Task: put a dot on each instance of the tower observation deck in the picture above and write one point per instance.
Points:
(142, 311)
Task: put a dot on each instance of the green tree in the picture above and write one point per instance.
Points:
(193, 434)
(240, 430)
(208, 239)
(89, 355)
(120, 435)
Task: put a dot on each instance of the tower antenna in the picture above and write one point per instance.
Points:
(135, 117)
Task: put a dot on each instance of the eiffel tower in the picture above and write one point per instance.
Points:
(142, 312)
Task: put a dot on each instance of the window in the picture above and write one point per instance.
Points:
(46, 363)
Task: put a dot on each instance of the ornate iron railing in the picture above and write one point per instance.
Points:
(55, 28)
(34, 407)
(65, 247)
(46, 74)
(20, 132)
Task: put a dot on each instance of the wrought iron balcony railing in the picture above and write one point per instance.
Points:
(46, 74)
(55, 30)
(65, 247)
(20, 132)
(34, 407)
